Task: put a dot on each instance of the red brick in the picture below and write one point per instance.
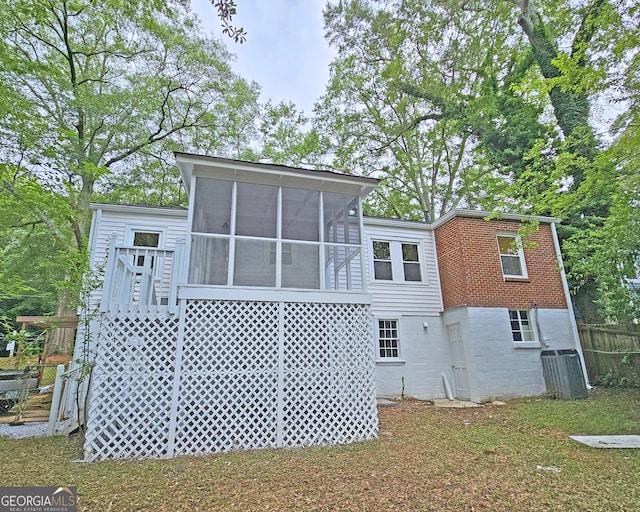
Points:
(471, 273)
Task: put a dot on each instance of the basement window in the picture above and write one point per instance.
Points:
(522, 328)
(388, 339)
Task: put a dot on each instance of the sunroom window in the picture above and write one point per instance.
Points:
(247, 234)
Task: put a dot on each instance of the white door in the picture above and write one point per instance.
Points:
(459, 363)
(142, 257)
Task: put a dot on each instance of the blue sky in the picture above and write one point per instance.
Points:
(285, 51)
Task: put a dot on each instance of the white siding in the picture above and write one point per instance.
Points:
(424, 351)
(424, 357)
(409, 298)
(112, 219)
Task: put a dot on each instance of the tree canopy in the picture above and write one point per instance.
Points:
(95, 97)
(491, 105)
(499, 105)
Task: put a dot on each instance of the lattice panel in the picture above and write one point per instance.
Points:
(329, 393)
(228, 386)
(247, 375)
(130, 399)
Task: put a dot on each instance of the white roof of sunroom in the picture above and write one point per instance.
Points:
(254, 172)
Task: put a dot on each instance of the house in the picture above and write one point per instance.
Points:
(272, 313)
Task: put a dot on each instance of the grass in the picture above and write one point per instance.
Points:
(425, 459)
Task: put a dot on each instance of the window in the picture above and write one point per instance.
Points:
(388, 339)
(522, 327)
(143, 238)
(396, 261)
(410, 262)
(511, 255)
(382, 261)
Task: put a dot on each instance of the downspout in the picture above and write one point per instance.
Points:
(572, 316)
(447, 386)
(536, 323)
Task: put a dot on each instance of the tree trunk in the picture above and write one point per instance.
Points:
(570, 107)
(62, 340)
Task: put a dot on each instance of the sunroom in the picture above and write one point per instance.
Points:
(268, 227)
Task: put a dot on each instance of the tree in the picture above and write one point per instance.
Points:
(226, 12)
(597, 35)
(407, 89)
(32, 248)
(92, 88)
(286, 137)
(418, 85)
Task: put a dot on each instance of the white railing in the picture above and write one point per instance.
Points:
(142, 279)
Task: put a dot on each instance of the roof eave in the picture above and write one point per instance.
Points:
(187, 161)
(495, 215)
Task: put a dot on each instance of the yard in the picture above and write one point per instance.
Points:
(515, 457)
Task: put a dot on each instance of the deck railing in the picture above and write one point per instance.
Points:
(142, 279)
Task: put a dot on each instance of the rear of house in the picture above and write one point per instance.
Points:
(463, 307)
(271, 313)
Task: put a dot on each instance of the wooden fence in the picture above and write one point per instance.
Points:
(611, 353)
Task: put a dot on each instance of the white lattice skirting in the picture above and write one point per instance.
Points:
(232, 375)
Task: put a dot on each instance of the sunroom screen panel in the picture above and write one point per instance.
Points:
(212, 206)
(257, 210)
(302, 269)
(209, 260)
(253, 263)
(300, 214)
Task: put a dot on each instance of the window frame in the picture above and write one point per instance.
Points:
(398, 275)
(520, 255)
(405, 262)
(530, 319)
(131, 230)
(397, 339)
(139, 260)
(376, 260)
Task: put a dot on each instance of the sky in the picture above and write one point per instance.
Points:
(285, 51)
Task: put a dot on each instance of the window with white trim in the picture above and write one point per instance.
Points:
(511, 255)
(411, 262)
(388, 339)
(396, 261)
(143, 238)
(522, 327)
(382, 268)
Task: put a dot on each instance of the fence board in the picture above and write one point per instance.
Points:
(612, 353)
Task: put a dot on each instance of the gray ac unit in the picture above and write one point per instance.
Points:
(563, 373)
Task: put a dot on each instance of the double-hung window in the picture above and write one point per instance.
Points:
(511, 255)
(411, 262)
(396, 261)
(382, 267)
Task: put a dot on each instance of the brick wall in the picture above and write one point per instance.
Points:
(471, 273)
